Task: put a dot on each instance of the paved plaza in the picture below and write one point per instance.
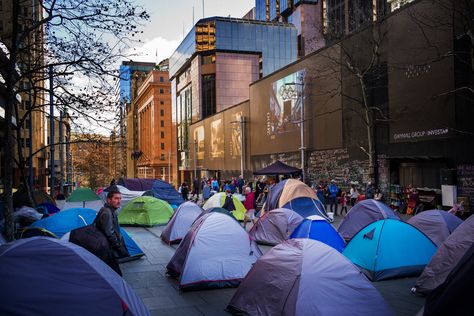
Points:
(147, 276)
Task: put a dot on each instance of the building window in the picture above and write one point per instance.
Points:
(335, 17)
(162, 91)
(360, 13)
(162, 112)
(211, 59)
(162, 79)
(162, 134)
(162, 102)
(208, 95)
(162, 123)
(162, 157)
(163, 146)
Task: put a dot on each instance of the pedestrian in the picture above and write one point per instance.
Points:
(229, 202)
(344, 201)
(249, 204)
(369, 191)
(206, 192)
(320, 195)
(354, 193)
(378, 195)
(107, 222)
(332, 192)
(215, 185)
(240, 184)
(196, 189)
(184, 191)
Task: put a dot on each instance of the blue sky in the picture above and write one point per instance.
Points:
(169, 18)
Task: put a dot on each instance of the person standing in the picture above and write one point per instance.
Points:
(249, 204)
(354, 195)
(215, 185)
(344, 201)
(332, 192)
(196, 188)
(206, 192)
(240, 184)
(184, 190)
(107, 222)
(378, 195)
(369, 191)
(229, 202)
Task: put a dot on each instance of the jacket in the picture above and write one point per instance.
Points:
(107, 222)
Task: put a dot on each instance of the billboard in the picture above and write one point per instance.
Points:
(217, 139)
(235, 144)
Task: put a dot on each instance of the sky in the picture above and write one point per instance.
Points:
(169, 18)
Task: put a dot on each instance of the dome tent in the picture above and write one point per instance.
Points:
(216, 252)
(390, 249)
(36, 270)
(145, 211)
(436, 224)
(313, 279)
(275, 226)
(218, 199)
(362, 214)
(181, 222)
(306, 206)
(317, 228)
(446, 258)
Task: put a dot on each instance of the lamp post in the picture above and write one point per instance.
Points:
(295, 90)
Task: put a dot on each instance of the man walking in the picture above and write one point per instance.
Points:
(107, 222)
(332, 191)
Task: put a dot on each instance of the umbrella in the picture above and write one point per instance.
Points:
(83, 195)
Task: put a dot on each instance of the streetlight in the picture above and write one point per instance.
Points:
(290, 91)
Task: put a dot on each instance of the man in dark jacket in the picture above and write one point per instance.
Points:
(107, 222)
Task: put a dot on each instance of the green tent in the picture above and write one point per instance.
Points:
(82, 195)
(145, 211)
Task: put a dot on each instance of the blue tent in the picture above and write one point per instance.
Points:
(65, 221)
(164, 191)
(47, 276)
(306, 206)
(390, 249)
(317, 228)
(51, 208)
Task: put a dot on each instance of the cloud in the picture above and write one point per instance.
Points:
(154, 50)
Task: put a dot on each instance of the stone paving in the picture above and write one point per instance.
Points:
(160, 293)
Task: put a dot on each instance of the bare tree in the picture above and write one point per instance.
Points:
(77, 44)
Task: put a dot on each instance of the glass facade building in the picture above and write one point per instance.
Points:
(276, 42)
(126, 71)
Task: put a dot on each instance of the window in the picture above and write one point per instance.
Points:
(162, 91)
(162, 123)
(162, 157)
(162, 134)
(162, 102)
(162, 146)
(211, 59)
(208, 95)
(162, 112)
(162, 79)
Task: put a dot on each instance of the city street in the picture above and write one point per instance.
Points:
(147, 276)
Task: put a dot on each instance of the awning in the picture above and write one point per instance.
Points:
(277, 167)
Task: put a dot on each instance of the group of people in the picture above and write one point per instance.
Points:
(331, 195)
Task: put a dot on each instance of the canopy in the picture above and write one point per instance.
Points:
(46, 276)
(306, 277)
(390, 249)
(82, 195)
(216, 252)
(276, 168)
(447, 257)
(145, 211)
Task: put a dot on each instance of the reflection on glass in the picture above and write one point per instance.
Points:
(199, 137)
(217, 139)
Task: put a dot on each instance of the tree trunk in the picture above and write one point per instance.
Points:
(369, 126)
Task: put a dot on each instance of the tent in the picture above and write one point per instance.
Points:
(306, 206)
(46, 276)
(63, 222)
(29, 232)
(454, 295)
(275, 226)
(50, 208)
(127, 195)
(306, 277)
(85, 198)
(446, 258)
(276, 168)
(285, 191)
(216, 252)
(362, 214)
(436, 224)
(161, 189)
(181, 222)
(20, 198)
(390, 249)
(317, 228)
(218, 199)
(145, 211)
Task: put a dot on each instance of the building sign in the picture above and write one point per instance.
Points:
(284, 113)
(421, 134)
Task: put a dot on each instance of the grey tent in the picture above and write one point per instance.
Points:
(46, 276)
(362, 214)
(181, 222)
(436, 224)
(446, 258)
(275, 226)
(306, 277)
(216, 252)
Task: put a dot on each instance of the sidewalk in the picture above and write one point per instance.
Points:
(160, 293)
